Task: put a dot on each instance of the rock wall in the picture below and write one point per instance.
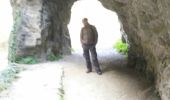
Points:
(146, 22)
(29, 29)
(54, 20)
(43, 30)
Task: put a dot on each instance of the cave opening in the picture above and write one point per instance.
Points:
(106, 22)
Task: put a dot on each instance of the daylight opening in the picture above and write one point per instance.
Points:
(106, 22)
(6, 20)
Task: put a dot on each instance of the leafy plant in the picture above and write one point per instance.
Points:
(121, 47)
(52, 57)
(7, 76)
(12, 38)
(27, 60)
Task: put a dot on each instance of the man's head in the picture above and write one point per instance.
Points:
(85, 21)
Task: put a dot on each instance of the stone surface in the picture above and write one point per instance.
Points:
(55, 34)
(43, 29)
(146, 22)
(29, 29)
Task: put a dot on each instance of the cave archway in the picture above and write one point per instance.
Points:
(44, 23)
(106, 22)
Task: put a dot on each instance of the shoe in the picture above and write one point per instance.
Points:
(99, 72)
(88, 71)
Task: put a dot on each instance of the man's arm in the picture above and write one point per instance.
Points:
(96, 34)
(81, 36)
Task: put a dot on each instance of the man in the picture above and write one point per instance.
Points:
(89, 38)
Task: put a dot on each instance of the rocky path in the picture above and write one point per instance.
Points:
(39, 82)
(43, 81)
(117, 82)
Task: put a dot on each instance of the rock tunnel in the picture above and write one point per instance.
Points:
(42, 30)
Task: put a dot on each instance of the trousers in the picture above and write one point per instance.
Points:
(87, 50)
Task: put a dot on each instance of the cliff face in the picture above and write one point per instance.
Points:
(43, 30)
(29, 30)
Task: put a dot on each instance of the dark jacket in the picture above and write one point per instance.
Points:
(89, 35)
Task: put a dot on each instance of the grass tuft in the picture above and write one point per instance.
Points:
(52, 57)
(27, 60)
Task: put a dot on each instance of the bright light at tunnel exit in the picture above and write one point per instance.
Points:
(106, 22)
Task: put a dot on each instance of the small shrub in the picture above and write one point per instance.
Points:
(26, 60)
(52, 57)
(7, 76)
(72, 50)
(121, 47)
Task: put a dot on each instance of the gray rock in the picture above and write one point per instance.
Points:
(146, 24)
(43, 29)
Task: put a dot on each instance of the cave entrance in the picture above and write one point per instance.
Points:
(6, 20)
(106, 22)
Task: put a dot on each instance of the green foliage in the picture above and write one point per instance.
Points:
(52, 57)
(12, 38)
(72, 50)
(121, 47)
(7, 76)
(26, 60)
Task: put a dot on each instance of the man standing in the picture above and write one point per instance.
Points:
(89, 38)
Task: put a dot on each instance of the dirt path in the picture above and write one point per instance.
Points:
(39, 82)
(43, 81)
(117, 82)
